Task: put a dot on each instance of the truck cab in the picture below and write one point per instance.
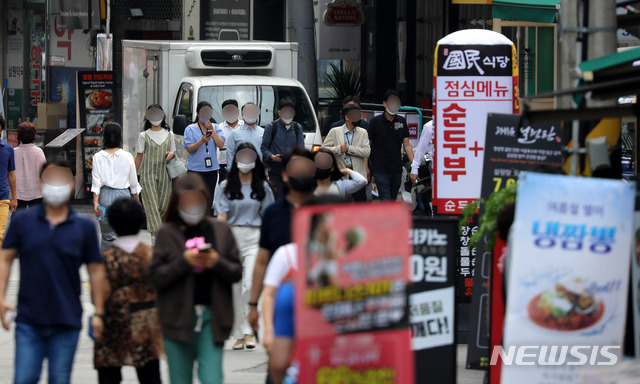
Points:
(179, 74)
(264, 91)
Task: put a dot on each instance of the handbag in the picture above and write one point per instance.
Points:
(175, 167)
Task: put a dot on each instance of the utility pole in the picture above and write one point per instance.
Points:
(569, 50)
(300, 28)
(602, 38)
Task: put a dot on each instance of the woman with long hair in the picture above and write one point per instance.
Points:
(202, 140)
(195, 262)
(156, 146)
(331, 179)
(113, 176)
(29, 160)
(240, 201)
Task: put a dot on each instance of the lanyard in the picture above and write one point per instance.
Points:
(346, 137)
(206, 144)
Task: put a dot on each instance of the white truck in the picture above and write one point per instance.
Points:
(179, 74)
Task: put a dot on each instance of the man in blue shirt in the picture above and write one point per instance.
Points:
(249, 132)
(8, 196)
(52, 241)
(279, 137)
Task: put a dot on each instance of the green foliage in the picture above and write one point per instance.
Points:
(489, 220)
(344, 80)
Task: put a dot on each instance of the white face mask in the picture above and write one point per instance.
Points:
(287, 121)
(392, 109)
(231, 119)
(250, 120)
(192, 215)
(246, 167)
(56, 195)
(156, 123)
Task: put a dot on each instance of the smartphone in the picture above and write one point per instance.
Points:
(205, 247)
(209, 132)
(102, 210)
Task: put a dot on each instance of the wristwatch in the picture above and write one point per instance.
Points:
(253, 304)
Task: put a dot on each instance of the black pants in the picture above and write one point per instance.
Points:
(210, 179)
(147, 374)
(275, 177)
(22, 204)
(222, 174)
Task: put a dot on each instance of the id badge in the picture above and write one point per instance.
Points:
(208, 162)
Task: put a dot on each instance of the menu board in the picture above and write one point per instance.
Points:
(96, 98)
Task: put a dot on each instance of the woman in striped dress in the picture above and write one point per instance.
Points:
(155, 147)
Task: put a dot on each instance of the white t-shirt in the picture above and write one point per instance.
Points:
(158, 137)
(227, 129)
(283, 262)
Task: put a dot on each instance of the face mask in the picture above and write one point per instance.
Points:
(246, 167)
(203, 120)
(231, 119)
(288, 120)
(193, 215)
(250, 120)
(322, 174)
(156, 123)
(392, 109)
(56, 195)
(356, 123)
(303, 184)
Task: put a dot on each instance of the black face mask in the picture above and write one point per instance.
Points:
(356, 123)
(322, 174)
(303, 184)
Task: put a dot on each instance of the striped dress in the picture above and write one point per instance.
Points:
(155, 181)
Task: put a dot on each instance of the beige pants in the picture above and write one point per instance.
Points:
(248, 239)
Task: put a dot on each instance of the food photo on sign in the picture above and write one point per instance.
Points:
(352, 317)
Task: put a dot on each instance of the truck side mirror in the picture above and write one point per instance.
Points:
(179, 125)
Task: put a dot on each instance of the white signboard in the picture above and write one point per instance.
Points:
(336, 42)
(474, 76)
(567, 279)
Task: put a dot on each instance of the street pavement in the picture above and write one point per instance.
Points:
(240, 367)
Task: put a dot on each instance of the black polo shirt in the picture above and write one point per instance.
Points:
(276, 225)
(386, 141)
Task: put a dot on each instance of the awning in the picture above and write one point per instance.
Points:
(539, 11)
(616, 66)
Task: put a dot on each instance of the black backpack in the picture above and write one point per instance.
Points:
(274, 128)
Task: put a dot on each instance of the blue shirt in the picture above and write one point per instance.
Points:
(196, 162)
(7, 164)
(244, 134)
(284, 140)
(276, 225)
(50, 259)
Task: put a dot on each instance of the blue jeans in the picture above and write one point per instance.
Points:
(388, 185)
(34, 343)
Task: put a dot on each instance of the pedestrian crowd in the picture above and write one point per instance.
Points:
(221, 237)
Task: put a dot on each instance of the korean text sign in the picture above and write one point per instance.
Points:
(352, 323)
(432, 299)
(475, 73)
(568, 275)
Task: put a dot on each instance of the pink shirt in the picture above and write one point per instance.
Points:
(29, 161)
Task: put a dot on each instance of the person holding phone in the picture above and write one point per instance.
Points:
(194, 265)
(156, 146)
(202, 140)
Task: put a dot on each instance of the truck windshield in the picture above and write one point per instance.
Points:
(266, 97)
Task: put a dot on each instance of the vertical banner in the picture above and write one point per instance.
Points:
(568, 275)
(432, 299)
(352, 323)
(509, 149)
(474, 74)
(96, 92)
(15, 65)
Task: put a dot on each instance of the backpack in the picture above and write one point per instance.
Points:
(274, 129)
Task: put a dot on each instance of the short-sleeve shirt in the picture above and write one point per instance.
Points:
(7, 164)
(50, 259)
(282, 265)
(386, 141)
(276, 225)
(196, 161)
(158, 137)
(246, 211)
